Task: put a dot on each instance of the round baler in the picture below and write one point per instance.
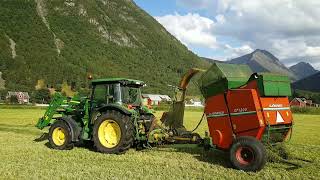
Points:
(245, 110)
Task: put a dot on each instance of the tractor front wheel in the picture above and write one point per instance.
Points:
(60, 135)
(113, 133)
(248, 154)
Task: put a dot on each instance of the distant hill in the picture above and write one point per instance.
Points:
(209, 60)
(310, 83)
(264, 61)
(303, 70)
(64, 41)
(314, 96)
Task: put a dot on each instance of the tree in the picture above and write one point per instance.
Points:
(40, 84)
(66, 89)
(2, 82)
(41, 96)
(3, 94)
(14, 99)
(84, 92)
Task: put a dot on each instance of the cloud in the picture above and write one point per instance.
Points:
(190, 29)
(287, 28)
(195, 30)
(237, 51)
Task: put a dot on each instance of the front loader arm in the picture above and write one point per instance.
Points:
(57, 101)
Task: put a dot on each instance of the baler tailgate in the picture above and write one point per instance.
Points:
(276, 110)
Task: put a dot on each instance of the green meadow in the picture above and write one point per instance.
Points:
(23, 158)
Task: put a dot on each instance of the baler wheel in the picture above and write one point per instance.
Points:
(60, 136)
(113, 133)
(248, 154)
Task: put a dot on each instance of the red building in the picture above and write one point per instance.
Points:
(298, 102)
(154, 99)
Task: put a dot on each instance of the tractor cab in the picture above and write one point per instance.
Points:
(121, 95)
(116, 91)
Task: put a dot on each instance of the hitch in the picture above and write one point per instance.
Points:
(43, 137)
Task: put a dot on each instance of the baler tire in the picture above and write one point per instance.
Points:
(66, 143)
(126, 128)
(248, 154)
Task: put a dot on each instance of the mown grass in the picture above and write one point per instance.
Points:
(20, 106)
(22, 158)
(306, 110)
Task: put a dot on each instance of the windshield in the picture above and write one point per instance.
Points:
(116, 93)
(131, 95)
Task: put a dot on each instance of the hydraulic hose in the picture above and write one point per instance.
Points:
(198, 123)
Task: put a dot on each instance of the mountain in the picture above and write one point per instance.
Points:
(209, 60)
(63, 41)
(310, 83)
(263, 61)
(303, 69)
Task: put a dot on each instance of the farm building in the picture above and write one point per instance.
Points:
(310, 103)
(303, 102)
(298, 102)
(22, 97)
(155, 99)
(194, 103)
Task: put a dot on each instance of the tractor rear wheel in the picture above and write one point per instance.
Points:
(60, 135)
(248, 154)
(113, 133)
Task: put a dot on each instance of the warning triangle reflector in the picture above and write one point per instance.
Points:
(279, 118)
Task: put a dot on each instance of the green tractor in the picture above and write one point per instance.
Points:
(113, 117)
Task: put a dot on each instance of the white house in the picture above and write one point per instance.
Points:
(154, 99)
(194, 103)
(22, 97)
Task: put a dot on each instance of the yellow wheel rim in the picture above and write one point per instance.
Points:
(58, 136)
(109, 133)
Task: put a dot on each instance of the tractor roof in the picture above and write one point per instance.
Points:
(123, 81)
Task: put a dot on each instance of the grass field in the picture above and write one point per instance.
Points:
(22, 158)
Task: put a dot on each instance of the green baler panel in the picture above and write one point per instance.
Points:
(221, 77)
(274, 85)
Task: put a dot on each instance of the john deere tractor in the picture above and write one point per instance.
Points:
(112, 117)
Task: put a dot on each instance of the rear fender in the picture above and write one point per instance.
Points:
(116, 108)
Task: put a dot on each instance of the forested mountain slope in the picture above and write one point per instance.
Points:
(64, 41)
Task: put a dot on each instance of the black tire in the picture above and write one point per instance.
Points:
(61, 126)
(126, 128)
(248, 154)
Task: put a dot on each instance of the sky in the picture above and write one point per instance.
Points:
(225, 29)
